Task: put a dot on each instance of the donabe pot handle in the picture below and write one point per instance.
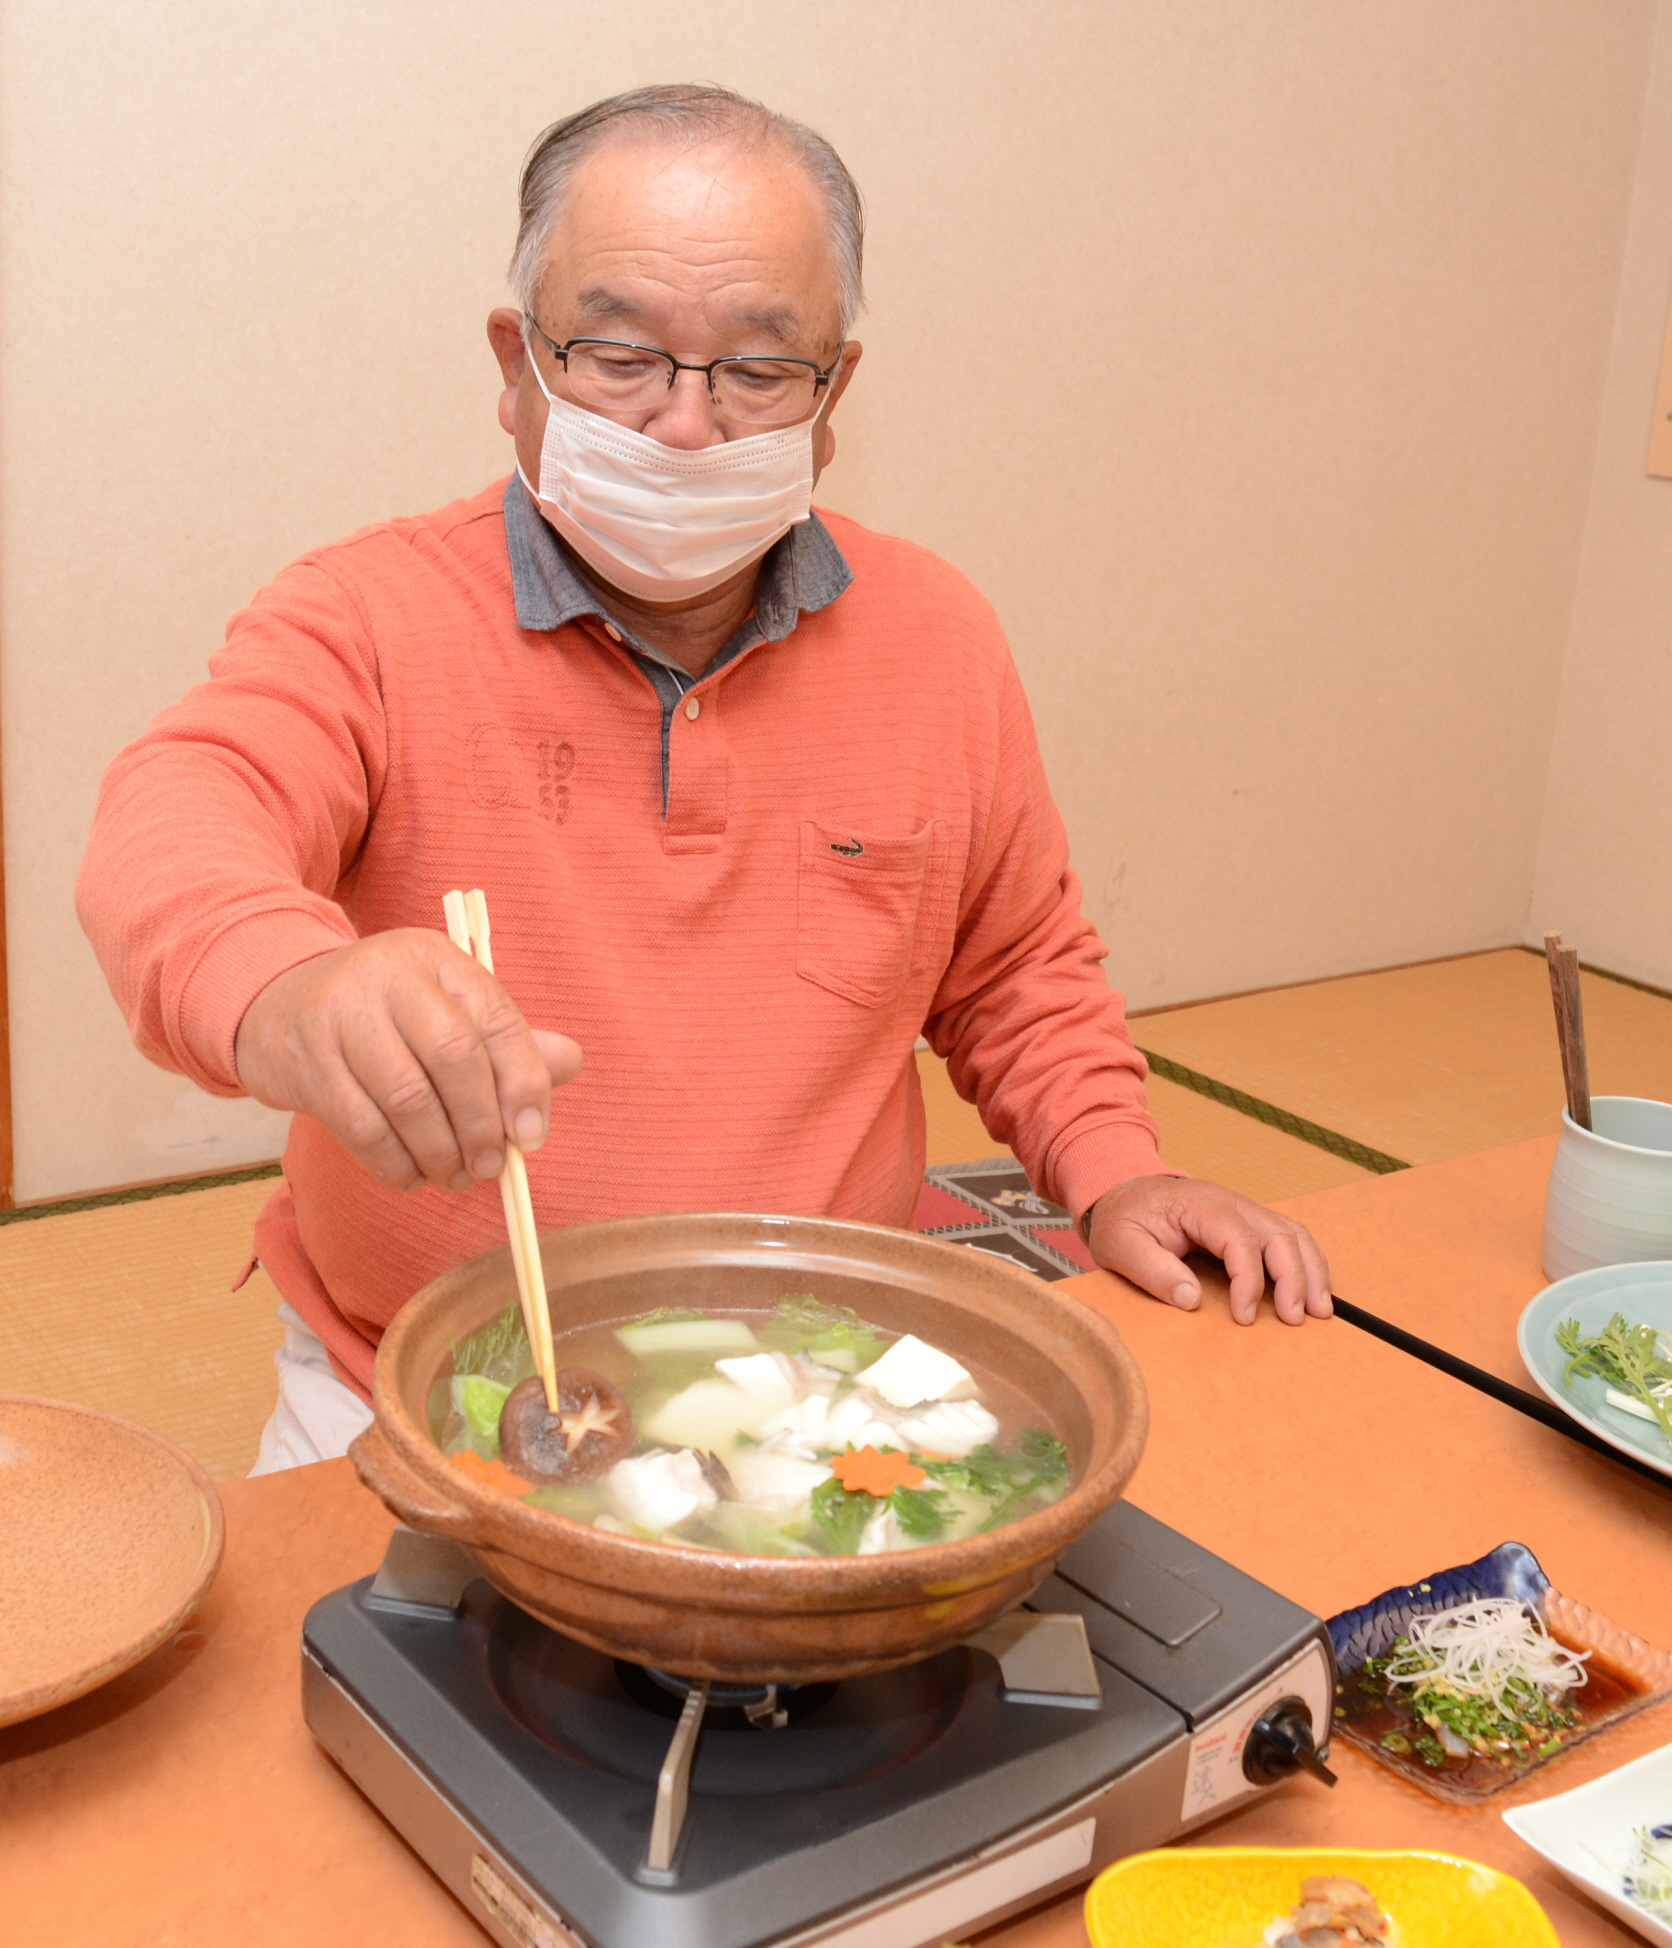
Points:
(401, 1489)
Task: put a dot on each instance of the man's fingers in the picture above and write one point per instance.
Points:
(409, 1053)
(562, 1056)
(1135, 1254)
(1244, 1258)
(1142, 1228)
(363, 1130)
(1288, 1276)
(521, 1080)
(424, 1067)
(1318, 1300)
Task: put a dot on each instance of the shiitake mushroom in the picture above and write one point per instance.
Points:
(590, 1433)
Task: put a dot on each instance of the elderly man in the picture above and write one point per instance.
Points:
(753, 793)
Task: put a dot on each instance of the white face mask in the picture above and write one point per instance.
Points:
(664, 522)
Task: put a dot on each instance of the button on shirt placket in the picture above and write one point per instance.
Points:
(697, 777)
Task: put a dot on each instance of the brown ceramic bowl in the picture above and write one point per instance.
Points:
(112, 1536)
(754, 1618)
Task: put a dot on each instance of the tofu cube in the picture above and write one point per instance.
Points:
(912, 1371)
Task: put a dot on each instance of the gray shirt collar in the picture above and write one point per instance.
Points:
(803, 571)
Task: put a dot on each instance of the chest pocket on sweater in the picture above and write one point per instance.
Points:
(862, 905)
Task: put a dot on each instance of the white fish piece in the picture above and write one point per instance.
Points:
(799, 1427)
(878, 1434)
(766, 1377)
(912, 1371)
(953, 1428)
(774, 1481)
(659, 1491)
(881, 1534)
(810, 1376)
(610, 1525)
(845, 1419)
(708, 1414)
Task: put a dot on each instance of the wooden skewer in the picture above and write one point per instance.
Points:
(467, 928)
(1570, 1026)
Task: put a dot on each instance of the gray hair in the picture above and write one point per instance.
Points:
(693, 114)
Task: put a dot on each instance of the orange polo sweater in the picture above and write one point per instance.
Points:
(858, 844)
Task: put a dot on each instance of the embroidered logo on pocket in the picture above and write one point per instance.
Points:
(849, 851)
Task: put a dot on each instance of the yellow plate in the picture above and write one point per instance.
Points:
(1226, 1897)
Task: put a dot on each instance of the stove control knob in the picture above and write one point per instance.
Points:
(1281, 1744)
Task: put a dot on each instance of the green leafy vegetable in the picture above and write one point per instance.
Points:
(1626, 1357)
(801, 1310)
(834, 1335)
(840, 1514)
(665, 1315)
(752, 1532)
(479, 1400)
(920, 1512)
(1004, 1479)
(498, 1351)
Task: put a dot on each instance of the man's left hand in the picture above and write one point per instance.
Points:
(1143, 1228)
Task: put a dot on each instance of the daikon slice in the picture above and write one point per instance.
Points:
(707, 1414)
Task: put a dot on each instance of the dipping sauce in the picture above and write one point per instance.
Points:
(1472, 1734)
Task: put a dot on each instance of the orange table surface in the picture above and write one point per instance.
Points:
(186, 1805)
(1450, 1251)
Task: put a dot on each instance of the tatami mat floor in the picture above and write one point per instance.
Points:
(129, 1307)
(1424, 1062)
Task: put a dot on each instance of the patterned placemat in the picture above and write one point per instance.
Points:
(989, 1203)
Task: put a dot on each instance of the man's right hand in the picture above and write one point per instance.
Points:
(414, 1058)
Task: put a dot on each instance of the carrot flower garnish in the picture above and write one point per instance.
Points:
(491, 1474)
(869, 1471)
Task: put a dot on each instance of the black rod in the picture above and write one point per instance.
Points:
(1477, 1377)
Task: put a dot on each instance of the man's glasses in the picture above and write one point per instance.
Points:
(611, 375)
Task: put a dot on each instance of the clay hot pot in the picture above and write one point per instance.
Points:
(702, 1613)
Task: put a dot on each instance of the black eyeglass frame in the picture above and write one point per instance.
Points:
(821, 376)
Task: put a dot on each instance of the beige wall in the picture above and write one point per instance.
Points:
(1284, 516)
(1605, 860)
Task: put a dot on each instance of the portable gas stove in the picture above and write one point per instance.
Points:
(572, 1802)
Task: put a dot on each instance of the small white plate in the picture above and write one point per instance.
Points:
(1584, 1832)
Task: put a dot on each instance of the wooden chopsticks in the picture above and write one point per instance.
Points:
(1570, 1026)
(467, 928)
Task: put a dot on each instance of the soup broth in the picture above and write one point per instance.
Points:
(799, 1432)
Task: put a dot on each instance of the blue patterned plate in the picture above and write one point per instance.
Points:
(1630, 1673)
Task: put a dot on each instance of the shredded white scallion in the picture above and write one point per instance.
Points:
(1479, 1649)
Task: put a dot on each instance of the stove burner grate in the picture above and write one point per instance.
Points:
(766, 1706)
